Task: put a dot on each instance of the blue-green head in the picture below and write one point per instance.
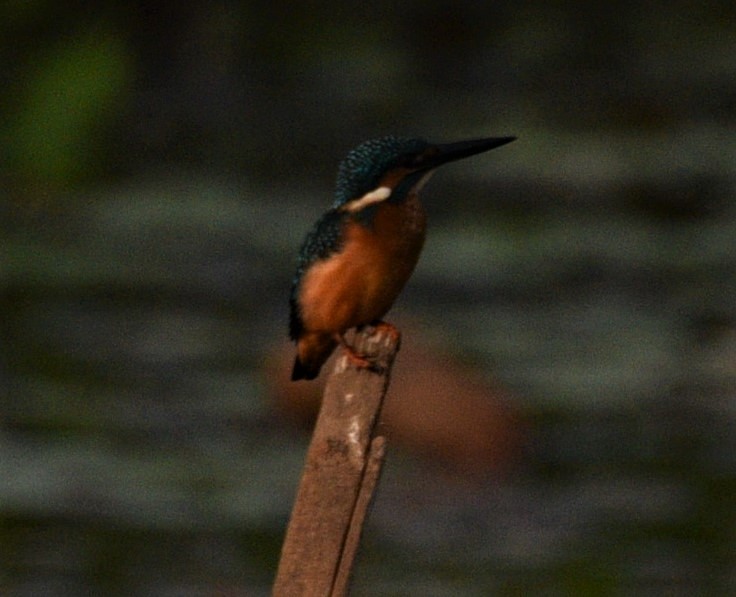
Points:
(390, 167)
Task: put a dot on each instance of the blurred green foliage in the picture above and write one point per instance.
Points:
(66, 95)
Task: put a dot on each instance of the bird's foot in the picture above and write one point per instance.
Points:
(356, 359)
(353, 356)
(386, 329)
(376, 331)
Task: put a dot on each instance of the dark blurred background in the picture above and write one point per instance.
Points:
(161, 163)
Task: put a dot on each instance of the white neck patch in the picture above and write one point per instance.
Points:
(375, 196)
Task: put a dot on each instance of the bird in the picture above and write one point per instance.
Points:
(358, 256)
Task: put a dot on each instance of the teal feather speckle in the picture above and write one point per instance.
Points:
(361, 170)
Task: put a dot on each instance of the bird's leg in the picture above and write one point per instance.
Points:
(383, 327)
(356, 359)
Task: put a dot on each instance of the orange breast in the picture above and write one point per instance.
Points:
(359, 284)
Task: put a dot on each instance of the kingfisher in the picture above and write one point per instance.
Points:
(357, 257)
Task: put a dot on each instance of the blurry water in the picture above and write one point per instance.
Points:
(589, 268)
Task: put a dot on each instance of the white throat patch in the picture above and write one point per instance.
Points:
(375, 196)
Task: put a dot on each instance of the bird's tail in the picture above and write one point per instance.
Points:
(301, 371)
(312, 352)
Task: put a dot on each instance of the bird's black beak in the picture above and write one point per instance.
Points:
(449, 152)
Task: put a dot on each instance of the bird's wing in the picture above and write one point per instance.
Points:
(323, 240)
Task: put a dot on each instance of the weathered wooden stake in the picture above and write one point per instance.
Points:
(341, 472)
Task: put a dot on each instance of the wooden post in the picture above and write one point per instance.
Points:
(340, 475)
